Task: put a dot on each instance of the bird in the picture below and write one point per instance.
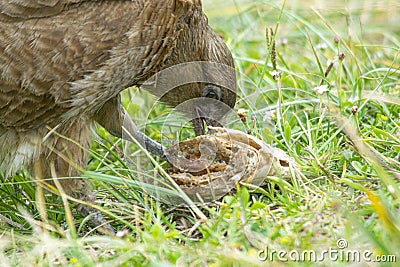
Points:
(64, 63)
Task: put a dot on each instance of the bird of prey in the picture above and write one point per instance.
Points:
(63, 64)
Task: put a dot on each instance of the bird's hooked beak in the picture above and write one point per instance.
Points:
(206, 118)
(199, 123)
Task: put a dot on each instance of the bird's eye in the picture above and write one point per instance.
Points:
(212, 91)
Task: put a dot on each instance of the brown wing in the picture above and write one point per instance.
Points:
(65, 58)
(19, 10)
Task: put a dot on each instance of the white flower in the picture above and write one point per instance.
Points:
(242, 111)
(322, 89)
(269, 115)
(275, 73)
(391, 189)
(321, 46)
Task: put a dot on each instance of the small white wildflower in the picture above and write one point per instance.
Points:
(242, 110)
(322, 89)
(321, 46)
(391, 189)
(269, 116)
(275, 73)
(122, 233)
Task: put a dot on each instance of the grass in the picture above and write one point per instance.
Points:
(346, 141)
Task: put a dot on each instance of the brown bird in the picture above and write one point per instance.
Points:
(63, 64)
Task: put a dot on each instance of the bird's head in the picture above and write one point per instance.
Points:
(199, 77)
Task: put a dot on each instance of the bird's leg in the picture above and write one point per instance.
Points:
(131, 134)
(114, 118)
(64, 159)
